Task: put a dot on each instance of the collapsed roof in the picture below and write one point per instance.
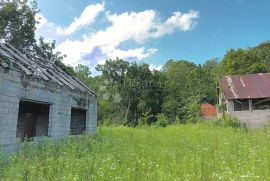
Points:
(249, 86)
(38, 67)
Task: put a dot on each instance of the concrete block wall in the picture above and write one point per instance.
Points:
(15, 87)
(253, 119)
(9, 108)
(91, 116)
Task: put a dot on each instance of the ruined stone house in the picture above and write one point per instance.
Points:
(39, 99)
(247, 97)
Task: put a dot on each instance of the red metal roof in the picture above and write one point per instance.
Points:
(246, 86)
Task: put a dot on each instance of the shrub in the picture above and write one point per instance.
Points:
(192, 110)
(111, 121)
(162, 120)
(229, 121)
(144, 119)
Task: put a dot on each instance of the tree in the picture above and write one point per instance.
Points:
(112, 87)
(17, 23)
(263, 52)
(46, 50)
(181, 83)
(209, 81)
(139, 88)
(152, 96)
(83, 73)
(242, 62)
(17, 27)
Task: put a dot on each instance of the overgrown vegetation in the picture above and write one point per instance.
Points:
(183, 152)
(167, 101)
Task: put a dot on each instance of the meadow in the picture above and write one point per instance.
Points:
(177, 152)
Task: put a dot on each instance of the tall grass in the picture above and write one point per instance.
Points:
(187, 152)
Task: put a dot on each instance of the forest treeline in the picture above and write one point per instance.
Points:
(131, 93)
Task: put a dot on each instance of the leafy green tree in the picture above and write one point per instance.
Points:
(17, 27)
(242, 62)
(209, 81)
(46, 50)
(17, 23)
(181, 83)
(112, 80)
(263, 52)
(152, 96)
(192, 109)
(139, 88)
(83, 73)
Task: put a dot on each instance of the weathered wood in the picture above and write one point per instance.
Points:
(66, 77)
(3, 64)
(57, 74)
(15, 55)
(59, 79)
(46, 69)
(28, 72)
(3, 53)
(84, 85)
(250, 105)
(39, 69)
(33, 64)
(54, 72)
(82, 88)
(46, 73)
(63, 79)
(76, 81)
(265, 100)
(18, 52)
(13, 60)
(29, 54)
(53, 77)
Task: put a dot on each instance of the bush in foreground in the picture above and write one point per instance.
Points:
(162, 120)
(227, 120)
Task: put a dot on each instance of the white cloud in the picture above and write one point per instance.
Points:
(134, 26)
(180, 21)
(155, 67)
(128, 26)
(87, 17)
(47, 29)
(138, 53)
(52, 31)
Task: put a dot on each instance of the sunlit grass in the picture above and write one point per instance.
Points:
(187, 152)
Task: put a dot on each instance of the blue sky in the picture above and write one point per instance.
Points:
(152, 31)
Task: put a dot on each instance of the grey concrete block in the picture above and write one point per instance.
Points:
(61, 101)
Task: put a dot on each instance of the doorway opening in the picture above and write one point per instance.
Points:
(78, 121)
(33, 120)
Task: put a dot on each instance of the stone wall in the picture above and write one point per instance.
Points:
(14, 86)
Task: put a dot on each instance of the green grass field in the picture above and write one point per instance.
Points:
(187, 152)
